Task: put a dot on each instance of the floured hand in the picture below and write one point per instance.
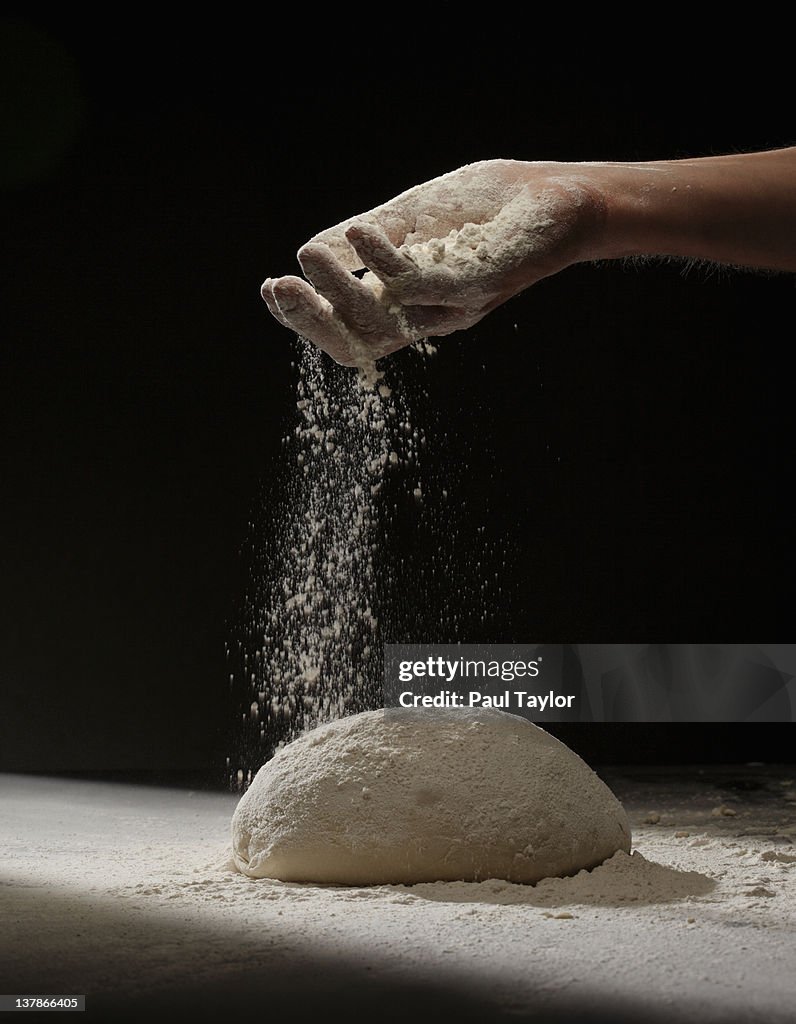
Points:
(438, 257)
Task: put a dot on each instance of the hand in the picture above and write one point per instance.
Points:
(439, 257)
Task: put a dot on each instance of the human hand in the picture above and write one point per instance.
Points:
(439, 257)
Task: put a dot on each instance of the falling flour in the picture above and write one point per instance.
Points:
(310, 653)
(311, 649)
(329, 581)
(407, 796)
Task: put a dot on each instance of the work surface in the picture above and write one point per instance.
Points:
(125, 893)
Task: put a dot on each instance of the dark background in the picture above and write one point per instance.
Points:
(628, 442)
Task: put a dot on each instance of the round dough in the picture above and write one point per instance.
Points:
(404, 796)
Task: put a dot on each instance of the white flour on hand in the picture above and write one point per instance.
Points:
(474, 242)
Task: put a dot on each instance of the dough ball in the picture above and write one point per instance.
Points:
(404, 796)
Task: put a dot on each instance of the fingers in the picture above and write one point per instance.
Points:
(297, 306)
(267, 292)
(364, 310)
(361, 307)
(387, 222)
(336, 240)
(410, 215)
(421, 275)
(378, 253)
(395, 220)
(355, 302)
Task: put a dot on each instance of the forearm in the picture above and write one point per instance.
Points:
(738, 209)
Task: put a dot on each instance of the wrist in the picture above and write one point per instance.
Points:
(738, 209)
(642, 213)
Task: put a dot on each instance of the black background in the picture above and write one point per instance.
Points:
(624, 432)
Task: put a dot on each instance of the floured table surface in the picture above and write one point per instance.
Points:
(125, 894)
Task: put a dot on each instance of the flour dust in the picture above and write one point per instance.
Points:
(361, 544)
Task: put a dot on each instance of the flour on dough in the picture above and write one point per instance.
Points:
(405, 796)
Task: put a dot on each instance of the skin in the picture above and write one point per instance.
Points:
(738, 210)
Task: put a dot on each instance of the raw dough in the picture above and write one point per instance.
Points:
(404, 796)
